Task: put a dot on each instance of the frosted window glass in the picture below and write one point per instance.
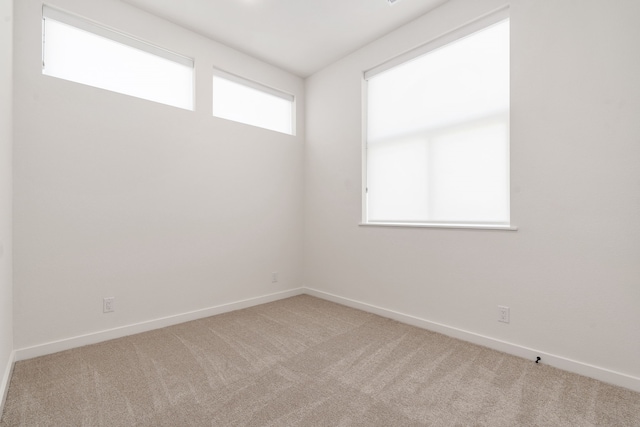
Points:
(438, 135)
(83, 57)
(244, 104)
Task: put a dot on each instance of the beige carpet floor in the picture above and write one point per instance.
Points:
(303, 362)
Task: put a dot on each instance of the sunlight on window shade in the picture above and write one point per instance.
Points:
(83, 57)
(240, 103)
(438, 134)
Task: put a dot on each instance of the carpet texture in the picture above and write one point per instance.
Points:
(303, 362)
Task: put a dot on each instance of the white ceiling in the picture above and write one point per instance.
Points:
(300, 36)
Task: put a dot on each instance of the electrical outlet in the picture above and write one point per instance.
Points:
(108, 305)
(274, 277)
(503, 314)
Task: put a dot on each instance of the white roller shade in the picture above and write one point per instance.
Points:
(82, 51)
(437, 146)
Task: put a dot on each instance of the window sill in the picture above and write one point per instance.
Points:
(434, 225)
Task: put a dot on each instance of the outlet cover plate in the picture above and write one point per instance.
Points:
(108, 305)
(503, 314)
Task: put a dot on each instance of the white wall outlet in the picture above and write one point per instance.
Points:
(503, 314)
(108, 304)
(274, 277)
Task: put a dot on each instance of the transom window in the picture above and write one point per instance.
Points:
(84, 52)
(245, 101)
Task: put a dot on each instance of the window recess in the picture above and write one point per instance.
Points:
(436, 150)
(245, 101)
(82, 51)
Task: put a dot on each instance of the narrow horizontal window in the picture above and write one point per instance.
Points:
(437, 145)
(84, 52)
(248, 102)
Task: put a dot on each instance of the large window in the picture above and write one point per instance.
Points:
(84, 52)
(245, 101)
(437, 133)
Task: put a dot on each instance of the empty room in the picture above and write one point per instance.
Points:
(319, 213)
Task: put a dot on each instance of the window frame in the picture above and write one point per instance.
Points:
(251, 84)
(100, 30)
(458, 33)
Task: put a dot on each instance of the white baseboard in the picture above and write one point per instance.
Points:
(6, 379)
(109, 334)
(595, 372)
(598, 373)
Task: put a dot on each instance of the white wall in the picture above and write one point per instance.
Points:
(6, 108)
(571, 273)
(172, 211)
(167, 210)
